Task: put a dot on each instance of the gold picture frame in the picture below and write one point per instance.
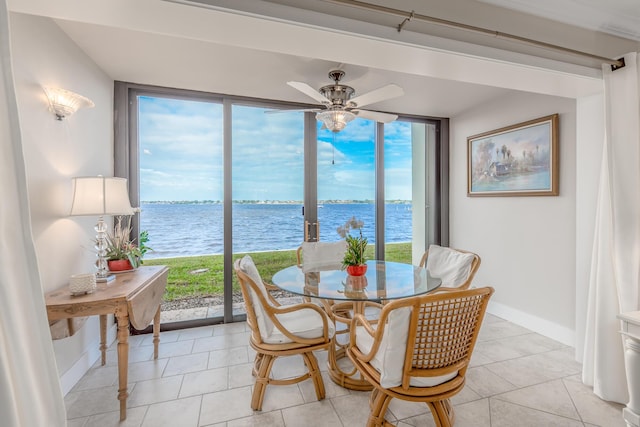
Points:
(517, 160)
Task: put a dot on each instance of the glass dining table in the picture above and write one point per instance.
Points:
(343, 296)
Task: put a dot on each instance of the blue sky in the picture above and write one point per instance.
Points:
(181, 155)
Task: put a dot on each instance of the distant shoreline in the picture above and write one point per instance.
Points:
(267, 202)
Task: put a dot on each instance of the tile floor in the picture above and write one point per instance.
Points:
(203, 378)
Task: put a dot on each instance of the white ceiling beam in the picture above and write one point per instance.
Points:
(271, 35)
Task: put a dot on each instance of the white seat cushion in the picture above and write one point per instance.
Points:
(264, 323)
(389, 359)
(318, 256)
(451, 266)
(305, 323)
(431, 381)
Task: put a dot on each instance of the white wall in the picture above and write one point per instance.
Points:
(55, 151)
(527, 244)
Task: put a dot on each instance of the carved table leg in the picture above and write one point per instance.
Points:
(123, 360)
(103, 338)
(156, 333)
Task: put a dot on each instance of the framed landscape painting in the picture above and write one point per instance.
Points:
(518, 160)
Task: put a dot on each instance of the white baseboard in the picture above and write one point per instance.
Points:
(536, 324)
(70, 378)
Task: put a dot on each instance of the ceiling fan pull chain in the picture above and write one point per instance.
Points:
(333, 149)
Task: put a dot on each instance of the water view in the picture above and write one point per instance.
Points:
(186, 229)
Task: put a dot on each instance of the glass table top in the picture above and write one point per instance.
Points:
(384, 280)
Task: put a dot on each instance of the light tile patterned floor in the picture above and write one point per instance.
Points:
(203, 378)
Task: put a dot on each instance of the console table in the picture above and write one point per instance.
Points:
(133, 297)
(631, 333)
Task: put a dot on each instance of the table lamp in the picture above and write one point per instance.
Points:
(99, 196)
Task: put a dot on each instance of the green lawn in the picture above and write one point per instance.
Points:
(202, 276)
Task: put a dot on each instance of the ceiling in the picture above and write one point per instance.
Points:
(254, 48)
(616, 17)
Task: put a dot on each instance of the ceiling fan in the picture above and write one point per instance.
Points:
(341, 107)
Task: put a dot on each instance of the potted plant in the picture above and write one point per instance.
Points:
(354, 260)
(122, 252)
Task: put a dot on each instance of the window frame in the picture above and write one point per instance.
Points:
(126, 165)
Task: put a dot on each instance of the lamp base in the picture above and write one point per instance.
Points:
(109, 278)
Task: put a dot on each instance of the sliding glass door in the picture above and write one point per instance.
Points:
(218, 178)
(408, 189)
(267, 182)
(346, 179)
(181, 193)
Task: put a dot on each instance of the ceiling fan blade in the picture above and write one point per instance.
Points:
(309, 91)
(303, 110)
(385, 92)
(375, 115)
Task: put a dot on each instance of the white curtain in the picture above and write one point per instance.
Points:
(615, 268)
(30, 393)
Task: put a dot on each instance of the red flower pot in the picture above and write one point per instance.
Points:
(357, 270)
(119, 265)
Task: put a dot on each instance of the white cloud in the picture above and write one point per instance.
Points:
(186, 140)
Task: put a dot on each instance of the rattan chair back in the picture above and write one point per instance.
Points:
(442, 332)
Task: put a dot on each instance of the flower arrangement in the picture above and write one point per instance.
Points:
(355, 244)
(121, 247)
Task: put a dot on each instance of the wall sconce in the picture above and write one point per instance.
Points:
(64, 103)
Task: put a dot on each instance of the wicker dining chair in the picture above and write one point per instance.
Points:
(314, 257)
(281, 330)
(419, 350)
(318, 256)
(455, 267)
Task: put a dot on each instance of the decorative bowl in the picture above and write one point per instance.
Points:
(80, 284)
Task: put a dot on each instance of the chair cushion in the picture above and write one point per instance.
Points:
(306, 323)
(389, 359)
(318, 256)
(451, 266)
(431, 381)
(265, 325)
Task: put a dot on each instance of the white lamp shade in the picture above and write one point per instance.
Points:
(99, 195)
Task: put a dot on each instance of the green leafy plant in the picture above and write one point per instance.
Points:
(356, 245)
(120, 245)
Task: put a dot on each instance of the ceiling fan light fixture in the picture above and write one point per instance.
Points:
(335, 120)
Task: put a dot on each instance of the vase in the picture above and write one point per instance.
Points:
(356, 283)
(119, 265)
(357, 270)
